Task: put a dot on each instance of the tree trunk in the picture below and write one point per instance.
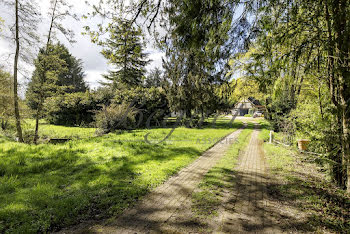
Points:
(15, 75)
(341, 33)
(37, 118)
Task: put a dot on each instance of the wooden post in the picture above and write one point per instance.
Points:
(271, 137)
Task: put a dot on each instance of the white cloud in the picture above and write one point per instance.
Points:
(156, 59)
(93, 77)
(94, 63)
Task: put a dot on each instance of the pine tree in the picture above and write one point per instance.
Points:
(124, 50)
(154, 78)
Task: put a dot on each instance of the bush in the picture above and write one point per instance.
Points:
(248, 115)
(151, 104)
(72, 109)
(76, 109)
(115, 117)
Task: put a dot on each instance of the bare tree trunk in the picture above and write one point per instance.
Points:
(15, 83)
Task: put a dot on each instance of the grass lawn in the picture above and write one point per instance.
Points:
(46, 187)
(305, 185)
(54, 131)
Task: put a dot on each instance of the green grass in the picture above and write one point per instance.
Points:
(264, 134)
(208, 198)
(46, 187)
(54, 131)
(305, 185)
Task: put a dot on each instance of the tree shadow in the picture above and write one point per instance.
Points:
(58, 186)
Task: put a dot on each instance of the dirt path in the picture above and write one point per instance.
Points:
(159, 206)
(246, 207)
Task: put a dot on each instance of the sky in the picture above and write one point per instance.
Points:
(94, 63)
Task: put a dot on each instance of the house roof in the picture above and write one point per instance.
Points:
(254, 101)
(248, 103)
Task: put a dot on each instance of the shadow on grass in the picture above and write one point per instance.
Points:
(324, 208)
(44, 188)
(328, 207)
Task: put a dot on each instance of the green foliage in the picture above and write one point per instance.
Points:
(191, 90)
(48, 66)
(242, 88)
(154, 79)
(76, 109)
(115, 117)
(44, 188)
(299, 47)
(151, 104)
(72, 79)
(72, 109)
(197, 53)
(5, 99)
(124, 49)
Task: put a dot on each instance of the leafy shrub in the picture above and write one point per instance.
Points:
(115, 117)
(151, 104)
(74, 109)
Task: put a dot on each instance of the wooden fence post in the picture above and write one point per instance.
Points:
(271, 137)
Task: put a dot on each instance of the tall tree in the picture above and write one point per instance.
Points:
(303, 39)
(154, 78)
(72, 78)
(59, 10)
(48, 67)
(56, 71)
(26, 18)
(124, 49)
(199, 34)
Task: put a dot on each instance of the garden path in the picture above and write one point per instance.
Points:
(154, 210)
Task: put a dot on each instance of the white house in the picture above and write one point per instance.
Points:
(247, 106)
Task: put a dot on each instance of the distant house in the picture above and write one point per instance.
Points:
(247, 106)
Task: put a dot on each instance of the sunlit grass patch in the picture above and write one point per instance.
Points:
(46, 187)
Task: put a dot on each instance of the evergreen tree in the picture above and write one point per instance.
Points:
(307, 42)
(56, 70)
(154, 78)
(48, 67)
(71, 78)
(124, 50)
